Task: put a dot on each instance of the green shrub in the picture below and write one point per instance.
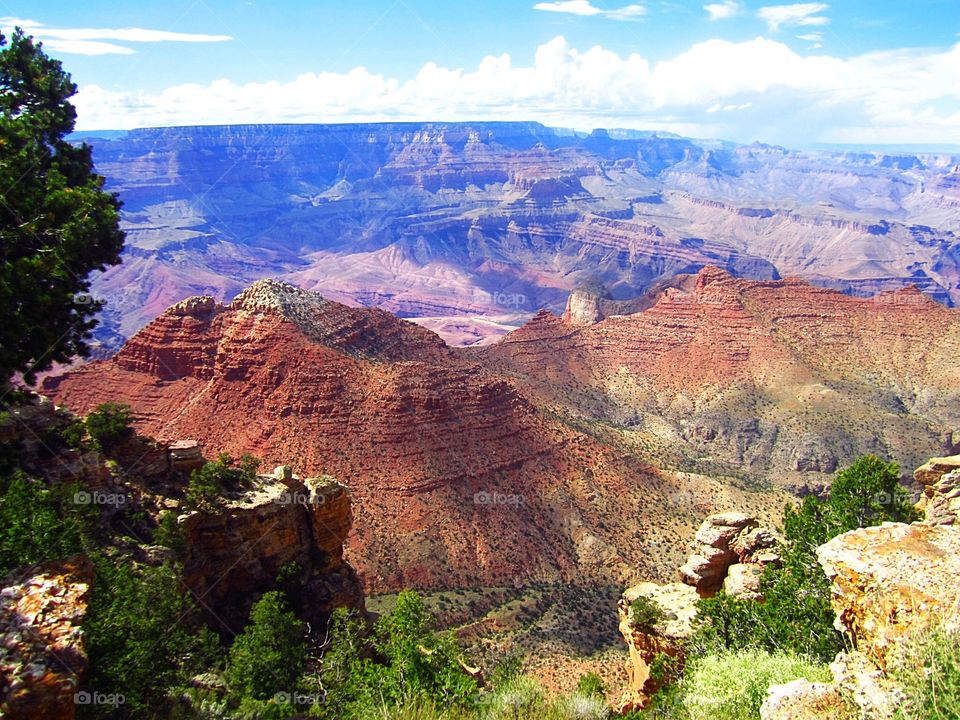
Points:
(108, 424)
(224, 474)
(590, 684)
(732, 686)
(169, 534)
(38, 523)
(402, 663)
(143, 637)
(507, 670)
(929, 671)
(584, 707)
(270, 655)
(645, 612)
(797, 615)
(74, 434)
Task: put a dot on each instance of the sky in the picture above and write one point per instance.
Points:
(795, 74)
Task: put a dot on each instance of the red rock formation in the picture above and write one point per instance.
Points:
(456, 478)
(802, 366)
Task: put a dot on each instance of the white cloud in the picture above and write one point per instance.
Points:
(801, 14)
(723, 10)
(86, 47)
(586, 8)
(811, 37)
(86, 41)
(765, 90)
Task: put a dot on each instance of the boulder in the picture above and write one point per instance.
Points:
(891, 581)
(940, 480)
(876, 696)
(805, 700)
(743, 581)
(42, 657)
(713, 551)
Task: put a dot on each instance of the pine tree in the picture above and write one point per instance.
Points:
(57, 224)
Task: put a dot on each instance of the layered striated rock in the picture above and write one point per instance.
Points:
(940, 480)
(891, 581)
(236, 553)
(42, 657)
(779, 380)
(418, 217)
(456, 476)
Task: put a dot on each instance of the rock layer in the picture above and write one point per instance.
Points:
(457, 478)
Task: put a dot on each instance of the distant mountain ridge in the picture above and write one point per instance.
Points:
(498, 220)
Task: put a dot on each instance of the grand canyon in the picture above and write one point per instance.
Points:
(480, 418)
(470, 228)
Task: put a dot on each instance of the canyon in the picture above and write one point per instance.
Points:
(471, 228)
(580, 448)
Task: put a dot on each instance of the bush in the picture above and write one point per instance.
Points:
(143, 637)
(797, 615)
(644, 612)
(929, 671)
(732, 686)
(108, 424)
(507, 670)
(590, 684)
(403, 663)
(224, 474)
(169, 534)
(39, 524)
(270, 655)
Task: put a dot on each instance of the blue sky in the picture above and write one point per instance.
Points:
(791, 73)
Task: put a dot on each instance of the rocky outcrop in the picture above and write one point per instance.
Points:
(805, 700)
(237, 551)
(940, 480)
(730, 551)
(584, 306)
(891, 581)
(42, 657)
(660, 643)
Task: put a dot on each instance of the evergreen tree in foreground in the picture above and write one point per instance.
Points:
(57, 225)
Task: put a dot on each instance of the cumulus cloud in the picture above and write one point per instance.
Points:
(586, 8)
(724, 10)
(89, 41)
(800, 14)
(759, 89)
